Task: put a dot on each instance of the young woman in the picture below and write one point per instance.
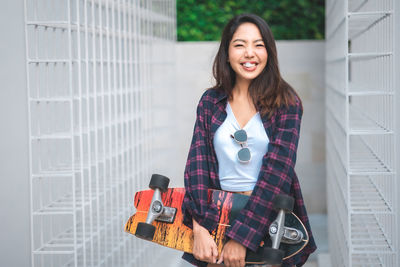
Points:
(245, 140)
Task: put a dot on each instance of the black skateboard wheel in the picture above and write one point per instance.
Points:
(273, 256)
(145, 231)
(284, 202)
(159, 181)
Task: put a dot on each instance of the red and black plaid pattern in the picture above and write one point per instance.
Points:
(277, 175)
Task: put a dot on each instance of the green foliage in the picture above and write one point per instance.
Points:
(203, 20)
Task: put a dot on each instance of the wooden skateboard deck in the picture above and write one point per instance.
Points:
(178, 236)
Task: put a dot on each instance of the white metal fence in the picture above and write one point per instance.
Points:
(90, 68)
(360, 126)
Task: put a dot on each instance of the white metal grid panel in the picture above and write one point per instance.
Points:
(360, 125)
(90, 65)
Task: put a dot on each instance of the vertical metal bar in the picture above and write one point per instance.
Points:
(88, 134)
(80, 130)
(131, 136)
(347, 118)
(95, 195)
(108, 169)
(128, 176)
(136, 94)
(142, 104)
(101, 205)
(136, 138)
(115, 133)
(47, 129)
(119, 125)
(147, 110)
(396, 119)
(126, 120)
(149, 87)
(28, 89)
(71, 94)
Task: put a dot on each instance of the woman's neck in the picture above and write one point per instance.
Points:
(241, 89)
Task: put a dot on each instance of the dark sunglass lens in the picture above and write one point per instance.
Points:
(244, 154)
(241, 135)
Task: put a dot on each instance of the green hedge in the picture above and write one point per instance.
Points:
(203, 20)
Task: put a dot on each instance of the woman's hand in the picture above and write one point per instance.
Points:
(233, 254)
(204, 247)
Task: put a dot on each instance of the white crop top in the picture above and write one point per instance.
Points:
(233, 175)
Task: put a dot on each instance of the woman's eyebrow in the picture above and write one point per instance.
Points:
(246, 41)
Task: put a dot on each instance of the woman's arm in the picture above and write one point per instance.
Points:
(197, 174)
(198, 213)
(275, 177)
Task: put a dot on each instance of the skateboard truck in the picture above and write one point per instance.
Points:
(157, 210)
(289, 235)
(279, 233)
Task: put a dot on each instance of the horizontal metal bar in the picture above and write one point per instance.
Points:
(368, 13)
(45, 213)
(47, 61)
(50, 99)
(53, 252)
(67, 136)
(355, 56)
(369, 93)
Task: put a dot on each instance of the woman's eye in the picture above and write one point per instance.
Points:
(260, 45)
(237, 45)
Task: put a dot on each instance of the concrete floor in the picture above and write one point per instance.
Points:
(172, 258)
(175, 261)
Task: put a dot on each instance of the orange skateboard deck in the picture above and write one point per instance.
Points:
(178, 236)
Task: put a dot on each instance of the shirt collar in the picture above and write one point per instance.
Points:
(221, 96)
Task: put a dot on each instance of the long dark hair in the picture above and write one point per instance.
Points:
(269, 91)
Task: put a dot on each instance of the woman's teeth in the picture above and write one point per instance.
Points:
(249, 65)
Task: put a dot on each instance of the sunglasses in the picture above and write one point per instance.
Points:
(243, 154)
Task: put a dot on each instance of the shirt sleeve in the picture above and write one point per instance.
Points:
(275, 177)
(197, 175)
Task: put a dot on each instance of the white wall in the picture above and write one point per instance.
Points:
(302, 65)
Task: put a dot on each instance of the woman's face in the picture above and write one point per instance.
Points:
(247, 52)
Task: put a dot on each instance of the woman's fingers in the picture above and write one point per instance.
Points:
(242, 263)
(234, 254)
(203, 254)
(207, 252)
(204, 247)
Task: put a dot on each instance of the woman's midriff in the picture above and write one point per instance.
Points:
(247, 193)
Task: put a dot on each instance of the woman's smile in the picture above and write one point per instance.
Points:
(249, 65)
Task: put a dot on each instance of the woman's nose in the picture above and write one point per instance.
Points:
(249, 52)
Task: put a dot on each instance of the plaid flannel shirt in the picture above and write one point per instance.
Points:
(276, 176)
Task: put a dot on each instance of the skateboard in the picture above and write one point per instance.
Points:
(159, 219)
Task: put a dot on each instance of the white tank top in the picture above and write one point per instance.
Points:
(234, 175)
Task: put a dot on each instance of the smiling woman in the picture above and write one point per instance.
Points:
(245, 140)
